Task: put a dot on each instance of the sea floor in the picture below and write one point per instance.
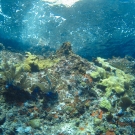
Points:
(65, 94)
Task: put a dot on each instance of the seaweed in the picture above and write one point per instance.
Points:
(13, 83)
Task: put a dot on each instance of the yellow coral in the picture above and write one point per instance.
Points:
(105, 64)
(116, 83)
(98, 74)
(115, 79)
(47, 63)
(33, 63)
(26, 67)
(105, 104)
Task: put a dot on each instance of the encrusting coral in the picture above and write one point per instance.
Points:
(113, 80)
(105, 104)
(33, 63)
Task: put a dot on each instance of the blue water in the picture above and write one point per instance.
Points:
(125, 1)
(95, 28)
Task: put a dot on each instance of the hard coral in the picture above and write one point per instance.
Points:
(113, 79)
(32, 63)
(105, 104)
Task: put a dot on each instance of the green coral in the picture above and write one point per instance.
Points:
(105, 104)
(83, 84)
(26, 67)
(98, 74)
(47, 63)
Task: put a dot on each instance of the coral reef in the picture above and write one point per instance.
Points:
(111, 78)
(65, 94)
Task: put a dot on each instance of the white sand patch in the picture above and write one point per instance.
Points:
(67, 3)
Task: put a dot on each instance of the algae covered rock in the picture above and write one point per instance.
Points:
(35, 123)
(105, 104)
(65, 49)
(109, 117)
(125, 102)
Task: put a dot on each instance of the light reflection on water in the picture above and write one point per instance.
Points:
(83, 24)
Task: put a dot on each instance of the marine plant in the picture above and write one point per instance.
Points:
(13, 82)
